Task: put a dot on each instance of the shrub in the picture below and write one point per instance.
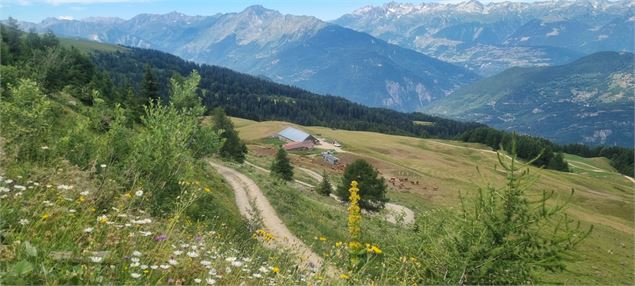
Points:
(324, 188)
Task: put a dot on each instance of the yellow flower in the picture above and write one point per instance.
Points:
(276, 269)
(375, 249)
(45, 216)
(81, 199)
(207, 190)
(102, 219)
(322, 238)
(127, 195)
(338, 244)
(146, 271)
(343, 276)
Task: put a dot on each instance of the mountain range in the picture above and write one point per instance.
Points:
(298, 50)
(490, 38)
(588, 101)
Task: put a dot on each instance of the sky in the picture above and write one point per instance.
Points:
(37, 10)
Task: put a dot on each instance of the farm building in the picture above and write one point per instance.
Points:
(330, 158)
(304, 145)
(295, 135)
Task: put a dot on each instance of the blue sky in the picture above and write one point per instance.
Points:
(37, 10)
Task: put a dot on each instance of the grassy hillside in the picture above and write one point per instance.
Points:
(444, 169)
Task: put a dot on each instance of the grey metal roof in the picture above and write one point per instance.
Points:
(294, 134)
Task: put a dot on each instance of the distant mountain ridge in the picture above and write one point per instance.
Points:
(298, 50)
(489, 38)
(589, 101)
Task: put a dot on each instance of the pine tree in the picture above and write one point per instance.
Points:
(150, 86)
(372, 186)
(281, 166)
(324, 188)
(233, 148)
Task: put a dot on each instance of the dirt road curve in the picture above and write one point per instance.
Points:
(394, 211)
(246, 190)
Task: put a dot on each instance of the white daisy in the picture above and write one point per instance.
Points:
(210, 281)
(23, 221)
(172, 262)
(164, 266)
(197, 280)
(136, 253)
(96, 259)
(192, 254)
(138, 193)
(135, 275)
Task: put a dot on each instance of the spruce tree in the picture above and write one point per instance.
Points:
(372, 186)
(233, 148)
(150, 86)
(324, 188)
(281, 166)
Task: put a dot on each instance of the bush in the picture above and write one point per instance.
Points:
(26, 120)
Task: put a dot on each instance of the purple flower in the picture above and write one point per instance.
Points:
(198, 238)
(161, 237)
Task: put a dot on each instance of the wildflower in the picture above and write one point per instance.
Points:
(135, 275)
(210, 281)
(322, 238)
(8, 181)
(134, 264)
(134, 259)
(343, 276)
(4, 190)
(206, 262)
(172, 262)
(44, 147)
(197, 280)
(127, 195)
(144, 267)
(276, 269)
(142, 221)
(192, 254)
(375, 249)
(102, 165)
(88, 230)
(81, 199)
(207, 190)
(237, 263)
(164, 266)
(145, 233)
(177, 252)
(72, 211)
(138, 193)
(45, 216)
(338, 244)
(257, 275)
(102, 219)
(23, 221)
(19, 187)
(136, 253)
(47, 203)
(96, 259)
(154, 267)
(84, 193)
(161, 237)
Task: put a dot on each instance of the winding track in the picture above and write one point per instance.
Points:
(246, 192)
(394, 211)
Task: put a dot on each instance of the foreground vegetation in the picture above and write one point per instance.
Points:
(94, 191)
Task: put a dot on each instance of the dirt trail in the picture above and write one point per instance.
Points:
(393, 211)
(246, 192)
